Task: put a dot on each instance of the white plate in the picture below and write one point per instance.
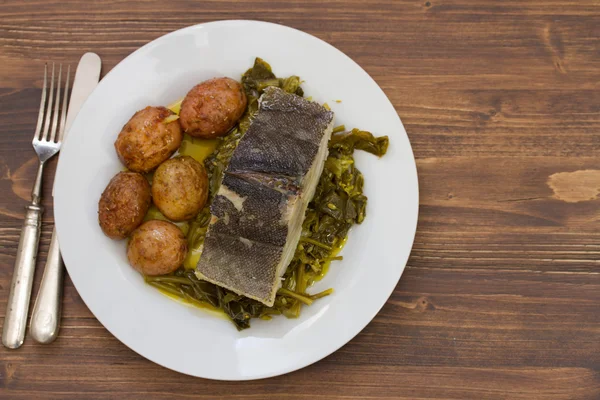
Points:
(193, 341)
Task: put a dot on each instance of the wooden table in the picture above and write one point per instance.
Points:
(501, 101)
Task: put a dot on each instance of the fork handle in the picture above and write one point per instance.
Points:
(45, 318)
(17, 307)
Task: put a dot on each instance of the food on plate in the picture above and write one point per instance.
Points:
(212, 108)
(123, 204)
(258, 211)
(180, 188)
(198, 149)
(281, 189)
(337, 205)
(156, 248)
(150, 137)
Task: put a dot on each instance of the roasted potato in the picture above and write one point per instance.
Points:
(156, 248)
(212, 108)
(123, 204)
(146, 140)
(180, 188)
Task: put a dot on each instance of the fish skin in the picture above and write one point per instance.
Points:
(278, 142)
(261, 200)
(248, 257)
(262, 216)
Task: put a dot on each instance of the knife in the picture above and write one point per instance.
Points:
(45, 317)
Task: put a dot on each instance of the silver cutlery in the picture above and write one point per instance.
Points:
(46, 143)
(45, 318)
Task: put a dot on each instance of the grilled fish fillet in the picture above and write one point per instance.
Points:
(258, 211)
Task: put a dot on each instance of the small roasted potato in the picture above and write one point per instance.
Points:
(212, 108)
(180, 188)
(148, 139)
(156, 248)
(123, 204)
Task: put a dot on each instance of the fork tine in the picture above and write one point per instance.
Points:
(63, 117)
(56, 106)
(49, 109)
(40, 120)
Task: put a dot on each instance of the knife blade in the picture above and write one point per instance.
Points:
(45, 318)
(87, 76)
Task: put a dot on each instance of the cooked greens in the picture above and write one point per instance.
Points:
(337, 205)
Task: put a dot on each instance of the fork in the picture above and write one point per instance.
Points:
(46, 143)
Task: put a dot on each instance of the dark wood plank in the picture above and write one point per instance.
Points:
(501, 101)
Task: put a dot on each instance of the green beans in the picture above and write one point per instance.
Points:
(285, 292)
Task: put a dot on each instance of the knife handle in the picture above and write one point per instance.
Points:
(15, 322)
(45, 319)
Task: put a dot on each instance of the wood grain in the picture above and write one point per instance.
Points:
(501, 101)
